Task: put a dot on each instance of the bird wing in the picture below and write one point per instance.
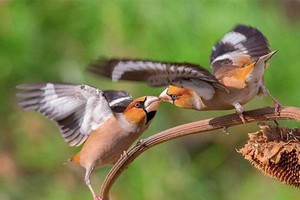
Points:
(158, 73)
(77, 109)
(238, 48)
(118, 100)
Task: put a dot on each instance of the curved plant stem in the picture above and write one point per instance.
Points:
(258, 115)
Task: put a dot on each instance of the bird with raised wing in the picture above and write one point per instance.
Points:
(238, 61)
(105, 122)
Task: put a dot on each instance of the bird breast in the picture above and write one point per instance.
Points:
(105, 145)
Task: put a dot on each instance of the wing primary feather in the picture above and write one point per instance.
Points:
(66, 105)
(241, 41)
(154, 73)
(74, 139)
(67, 133)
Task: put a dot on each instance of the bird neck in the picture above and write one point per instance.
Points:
(128, 125)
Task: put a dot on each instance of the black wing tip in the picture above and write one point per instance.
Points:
(248, 31)
(102, 66)
(101, 61)
(243, 26)
(256, 43)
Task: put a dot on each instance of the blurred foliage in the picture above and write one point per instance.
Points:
(53, 41)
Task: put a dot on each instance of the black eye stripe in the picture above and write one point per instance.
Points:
(140, 104)
(144, 100)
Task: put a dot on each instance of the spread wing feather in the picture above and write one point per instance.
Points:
(239, 47)
(77, 109)
(156, 73)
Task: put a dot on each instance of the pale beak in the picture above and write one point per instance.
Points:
(165, 97)
(269, 55)
(151, 103)
(264, 59)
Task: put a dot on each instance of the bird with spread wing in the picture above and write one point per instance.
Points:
(105, 122)
(238, 62)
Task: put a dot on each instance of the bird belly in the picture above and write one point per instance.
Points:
(105, 145)
(243, 85)
(224, 101)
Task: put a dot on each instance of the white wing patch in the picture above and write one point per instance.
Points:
(96, 113)
(127, 66)
(119, 100)
(233, 56)
(161, 73)
(156, 67)
(53, 102)
(234, 38)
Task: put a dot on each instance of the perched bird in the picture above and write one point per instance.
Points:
(238, 62)
(86, 115)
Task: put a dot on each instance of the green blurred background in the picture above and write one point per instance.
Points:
(53, 41)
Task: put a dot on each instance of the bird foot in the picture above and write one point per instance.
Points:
(239, 111)
(277, 107)
(124, 154)
(140, 142)
(97, 198)
(225, 130)
(242, 117)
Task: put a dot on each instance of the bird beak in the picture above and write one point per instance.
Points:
(151, 103)
(269, 55)
(165, 97)
(264, 59)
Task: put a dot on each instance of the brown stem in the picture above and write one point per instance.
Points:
(262, 114)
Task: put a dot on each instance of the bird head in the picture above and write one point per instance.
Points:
(181, 97)
(142, 110)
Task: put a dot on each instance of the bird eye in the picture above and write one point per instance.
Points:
(138, 105)
(174, 97)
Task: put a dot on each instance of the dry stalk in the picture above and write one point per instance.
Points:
(257, 115)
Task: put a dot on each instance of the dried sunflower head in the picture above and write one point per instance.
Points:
(275, 151)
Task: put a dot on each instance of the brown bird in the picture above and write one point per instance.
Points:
(238, 61)
(107, 122)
